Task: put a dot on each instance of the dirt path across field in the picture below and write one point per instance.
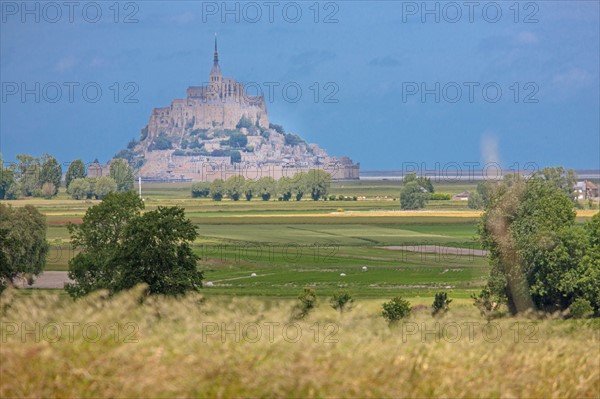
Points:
(50, 279)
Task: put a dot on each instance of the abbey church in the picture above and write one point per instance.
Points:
(218, 131)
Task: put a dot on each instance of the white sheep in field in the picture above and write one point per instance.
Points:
(209, 284)
(253, 275)
(364, 269)
(343, 274)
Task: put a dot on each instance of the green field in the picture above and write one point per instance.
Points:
(290, 245)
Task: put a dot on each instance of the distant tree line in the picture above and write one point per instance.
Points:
(314, 184)
(42, 177)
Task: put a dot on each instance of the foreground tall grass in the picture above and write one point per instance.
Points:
(240, 347)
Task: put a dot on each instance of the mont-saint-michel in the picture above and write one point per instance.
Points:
(218, 131)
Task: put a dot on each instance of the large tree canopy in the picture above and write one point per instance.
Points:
(121, 247)
(23, 246)
(539, 256)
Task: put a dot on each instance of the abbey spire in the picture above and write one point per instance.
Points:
(216, 60)
(216, 69)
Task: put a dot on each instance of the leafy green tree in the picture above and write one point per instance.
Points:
(120, 248)
(97, 238)
(317, 183)
(424, 182)
(481, 197)
(266, 187)
(200, 190)
(156, 250)
(341, 301)
(103, 186)
(51, 172)
(412, 196)
(285, 188)
(395, 310)
(539, 257)
(249, 189)
(217, 189)
(76, 170)
(23, 245)
(299, 185)
(235, 187)
(8, 189)
(563, 179)
(28, 171)
(122, 174)
(441, 303)
(80, 188)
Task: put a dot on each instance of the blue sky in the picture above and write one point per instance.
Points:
(371, 58)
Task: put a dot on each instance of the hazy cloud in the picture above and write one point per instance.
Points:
(66, 63)
(574, 78)
(527, 38)
(387, 61)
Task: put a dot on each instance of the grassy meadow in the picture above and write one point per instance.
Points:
(237, 338)
(248, 347)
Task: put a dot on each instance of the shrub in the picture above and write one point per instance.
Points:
(293, 140)
(249, 189)
(308, 301)
(235, 157)
(200, 190)
(144, 133)
(484, 302)
(244, 123)
(48, 190)
(440, 303)
(395, 310)
(412, 196)
(439, 197)
(341, 301)
(217, 189)
(581, 309)
(162, 142)
(79, 188)
(104, 186)
(332, 197)
(278, 128)
(234, 186)
(265, 187)
(236, 139)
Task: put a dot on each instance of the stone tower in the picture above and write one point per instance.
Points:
(215, 76)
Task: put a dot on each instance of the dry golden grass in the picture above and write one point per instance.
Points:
(173, 354)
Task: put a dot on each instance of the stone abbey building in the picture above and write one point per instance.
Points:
(223, 101)
(219, 131)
